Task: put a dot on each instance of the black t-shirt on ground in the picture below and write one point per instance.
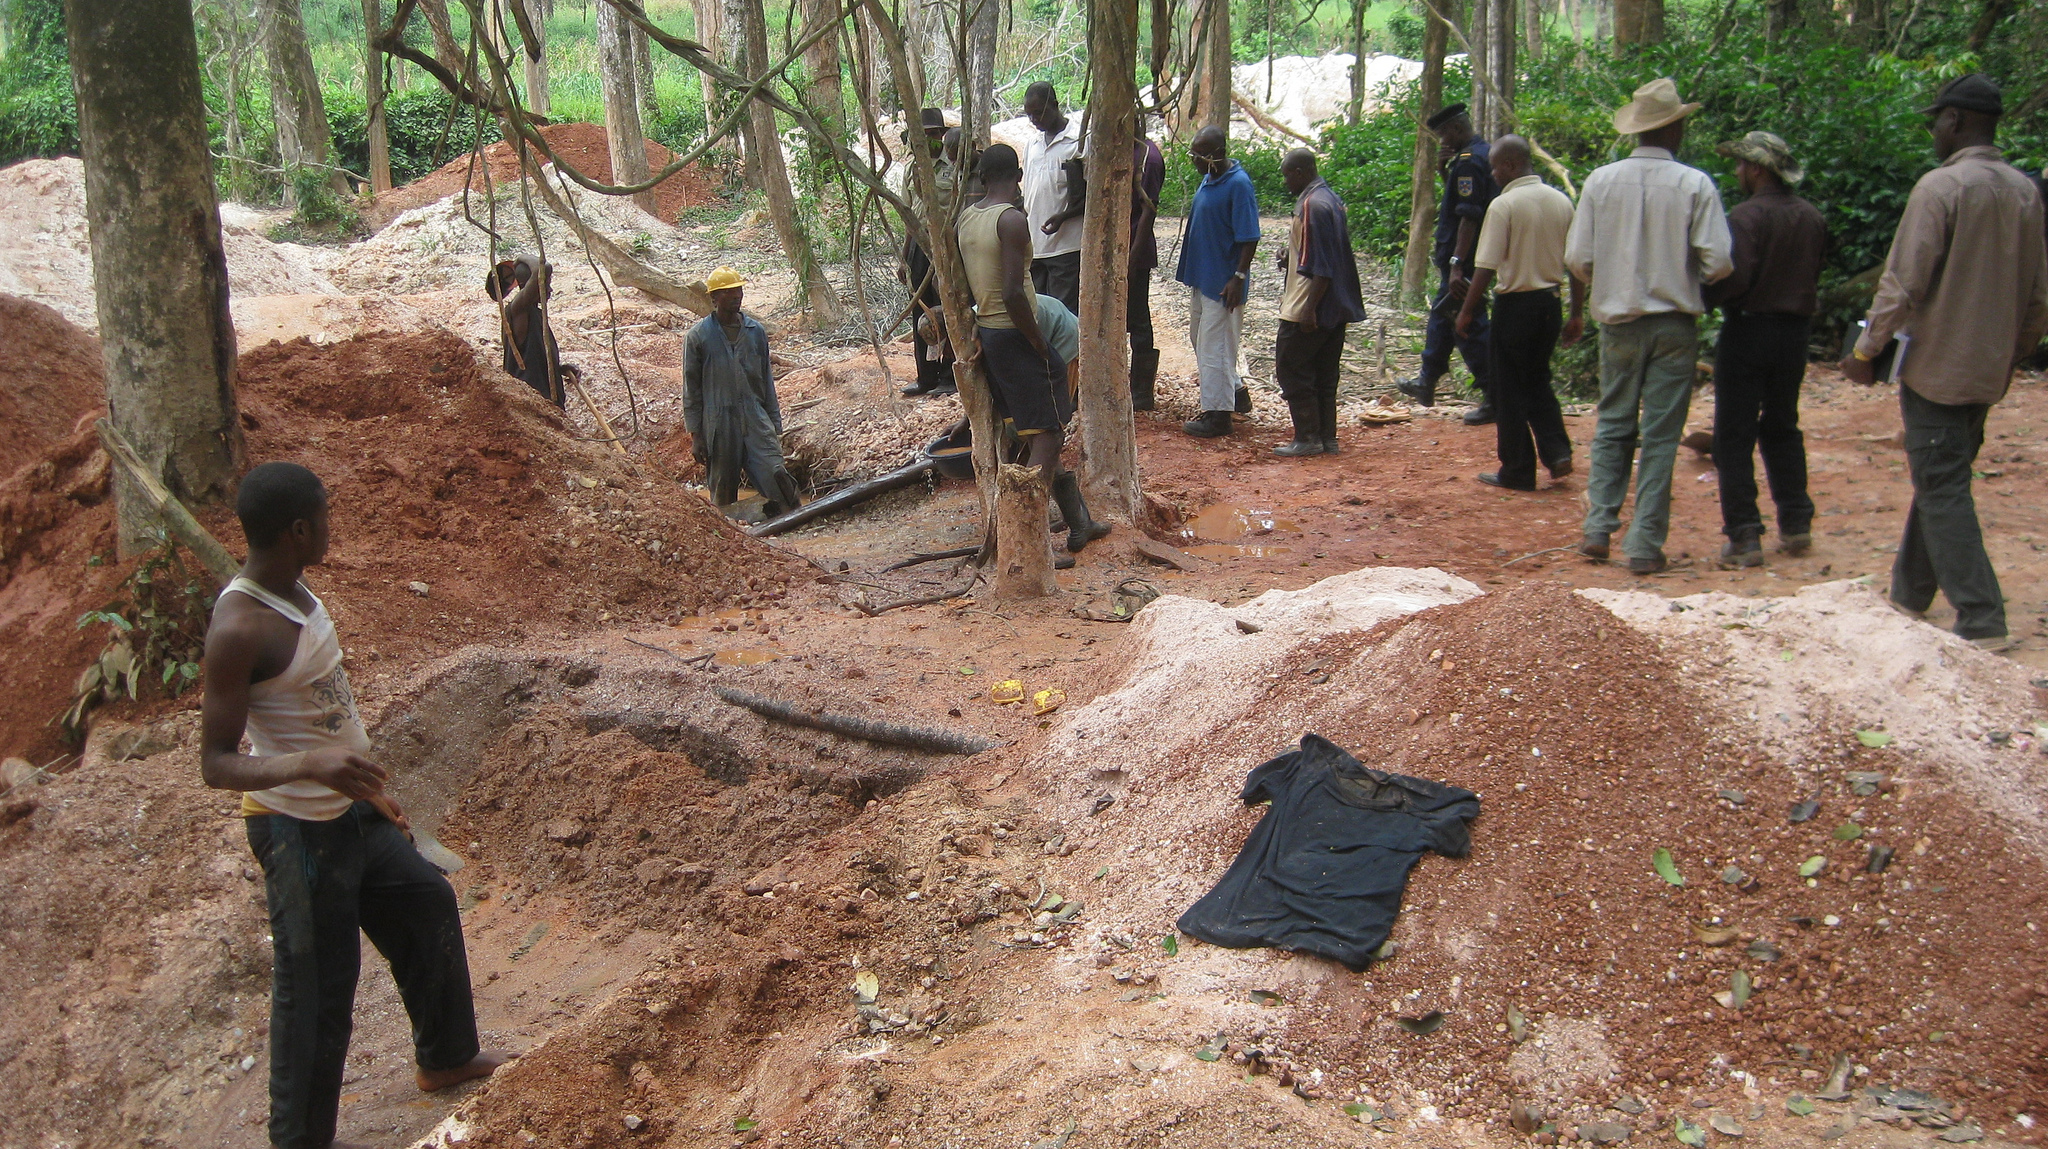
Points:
(1323, 872)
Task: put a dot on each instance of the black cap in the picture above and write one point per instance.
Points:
(1445, 116)
(933, 119)
(1972, 93)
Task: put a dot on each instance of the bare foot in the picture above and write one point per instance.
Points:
(482, 1065)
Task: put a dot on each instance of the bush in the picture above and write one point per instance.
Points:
(417, 124)
(38, 115)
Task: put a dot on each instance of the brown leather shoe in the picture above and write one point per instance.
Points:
(1593, 547)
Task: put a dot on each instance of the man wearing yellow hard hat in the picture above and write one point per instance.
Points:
(729, 404)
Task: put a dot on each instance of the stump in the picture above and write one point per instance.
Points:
(1023, 546)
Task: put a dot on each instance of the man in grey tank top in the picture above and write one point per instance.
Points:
(335, 849)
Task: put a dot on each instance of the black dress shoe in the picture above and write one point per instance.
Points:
(1492, 479)
(1418, 389)
(1208, 425)
(1561, 468)
(1479, 416)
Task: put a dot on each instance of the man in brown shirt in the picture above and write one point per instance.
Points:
(1767, 305)
(1959, 336)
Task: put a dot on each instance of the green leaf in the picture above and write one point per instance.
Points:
(1354, 1109)
(1799, 1106)
(1848, 832)
(1208, 1054)
(1265, 997)
(1100, 874)
(1666, 868)
(1875, 739)
(1739, 988)
(1170, 944)
(1787, 655)
(1688, 1133)
(743, 1124)
(1812, 867)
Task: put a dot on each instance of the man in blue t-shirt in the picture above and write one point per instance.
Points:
(1216, 263)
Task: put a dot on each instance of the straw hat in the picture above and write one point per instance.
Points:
(723, 278)
(1765, 150)
(1656, 104)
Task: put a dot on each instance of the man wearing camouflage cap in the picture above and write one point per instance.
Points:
(1767, 304)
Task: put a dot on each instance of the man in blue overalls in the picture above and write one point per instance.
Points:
(729, 404)
(1468, 189)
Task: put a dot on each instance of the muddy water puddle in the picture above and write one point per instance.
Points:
(1216, 552)
(1221, 525)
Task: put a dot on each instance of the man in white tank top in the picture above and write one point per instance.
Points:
(335, 850)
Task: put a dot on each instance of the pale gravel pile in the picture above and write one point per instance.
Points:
(1806, 671)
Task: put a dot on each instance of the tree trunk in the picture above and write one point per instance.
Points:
(978, 96)
(373, 99)
(766, 145)
(1216, 77)
(1988, 19)
(1478, 22)
(935, 52)
(159, 270)
(1023, 545)
(622, 129)
(1500, 64)
(1532, 28)
(303, 137)
(643, 78)
(447, 49)
(1357, 106)
(1422, 174)
(1638, 22)
(823, 93)
(708, 30)
(733, 26)
(1109, 446)
(537, 100)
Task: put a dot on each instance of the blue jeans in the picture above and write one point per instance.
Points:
(323, 881)
(1646, 374)
(1441, 333)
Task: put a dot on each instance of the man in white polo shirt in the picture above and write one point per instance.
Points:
(1055, 196)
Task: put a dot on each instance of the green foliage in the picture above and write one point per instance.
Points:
(1368, 167)
(157, 631)
(38, 116)
(319, 205)
(423, 125)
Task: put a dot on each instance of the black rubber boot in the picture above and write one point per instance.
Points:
(1081, 529)
(1243, 404)
(1144, 373)
(1208, 425)
(1327, 404)
(1423, 391)
(1308, 432)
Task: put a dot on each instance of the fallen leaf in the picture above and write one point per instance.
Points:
(1959, 1134)
(1688, 1133)
(743, 1124)
(1170, 944)
(1100, 874)
(1739, 987)
(1265, 997)
(1666, 868)
(1734, 876)
(1812, 866)
(1803, 811)
(1875, 739)
(1715, 935)
(1364, 1113)
(1762, 950)
(866, 986)
(1798, 1106)
(1725, 1125)
(1518, 1025)
(1428, 1023)
(1848, 832)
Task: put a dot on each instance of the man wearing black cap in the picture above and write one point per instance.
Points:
(1468, 189)
(1965, 294)
(934, 360)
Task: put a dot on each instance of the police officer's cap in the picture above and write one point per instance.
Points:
(1972, 93)
(1451, 112)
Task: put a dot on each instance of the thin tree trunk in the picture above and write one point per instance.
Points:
(537, 100)
(1023, 545)
(160, 273)
(1216, 66)
(1988, 18)
(733, 26)
(935, 50)
(303, 137)
(1422, 181)
(824, 93)
(767, 147)
(978, 95)
(447, 49)
(1109, 447)
(1532, 28)
(622, 128)
(643, 78)
(1500, 62)
(1357, 106)
(1478, 28)
(708, 31)
(1638, 22)
(373, 99)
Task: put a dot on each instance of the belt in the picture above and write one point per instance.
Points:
(1552, 292)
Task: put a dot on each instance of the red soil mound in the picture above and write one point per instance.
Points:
(442, 473)
(53, 376)
(581, 146)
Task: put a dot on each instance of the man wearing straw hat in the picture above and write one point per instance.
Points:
(1965, 293)
(1648, 235)
(729, 403)
(1767, 305)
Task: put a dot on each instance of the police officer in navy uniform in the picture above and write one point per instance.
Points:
(1468, 189)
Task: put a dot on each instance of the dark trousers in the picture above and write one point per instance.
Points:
(933, 374)
(1758, 367)
(1060, 277)
(1138, 312)
(1943, 548)
(323, 881)
(1441, 334)
(1305, 362)
(1528, 423)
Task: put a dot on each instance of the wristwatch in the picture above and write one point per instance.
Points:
(1237, 275)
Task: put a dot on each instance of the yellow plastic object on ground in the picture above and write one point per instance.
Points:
(1047, 701)
(1007, 691)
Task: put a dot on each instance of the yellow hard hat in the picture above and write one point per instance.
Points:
(723, 278)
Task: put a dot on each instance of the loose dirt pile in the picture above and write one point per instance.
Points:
(53, 377)
(46, 253)
(848, 420)
(464, 511)
(995, 1016)
(582, 146)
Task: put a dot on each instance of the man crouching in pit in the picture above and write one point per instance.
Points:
(336, 852)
